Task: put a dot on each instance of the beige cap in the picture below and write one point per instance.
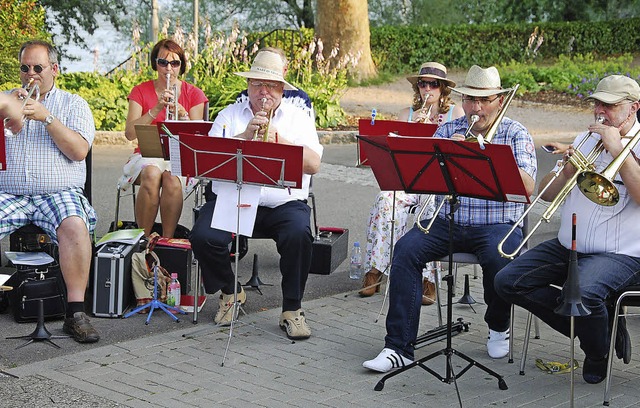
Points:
(616, 88)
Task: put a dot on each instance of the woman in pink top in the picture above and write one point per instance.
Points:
(148, 104)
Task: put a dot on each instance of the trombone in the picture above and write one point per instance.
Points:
(493, 129)
(597, 187)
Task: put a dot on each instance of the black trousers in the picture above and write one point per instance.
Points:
(287, 224)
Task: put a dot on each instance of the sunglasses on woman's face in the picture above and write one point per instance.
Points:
(163, 62)
(433, 84)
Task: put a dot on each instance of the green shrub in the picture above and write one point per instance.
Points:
(577, 75)
(20, 20)
(401, 49)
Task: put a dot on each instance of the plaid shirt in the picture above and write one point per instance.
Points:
(474, 211)
(35, 165)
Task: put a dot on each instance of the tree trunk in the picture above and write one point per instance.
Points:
(345, 23)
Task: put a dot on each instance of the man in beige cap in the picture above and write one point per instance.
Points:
(607, 233)
(479, 227)
(283, 214)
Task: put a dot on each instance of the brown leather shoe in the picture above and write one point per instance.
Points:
(80, 328)
(371, 283)
(428, 292)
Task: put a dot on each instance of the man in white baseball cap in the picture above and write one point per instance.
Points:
(282, 214)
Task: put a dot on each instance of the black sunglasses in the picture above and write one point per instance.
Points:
(163, 62)
(38, 68)
(423, 84)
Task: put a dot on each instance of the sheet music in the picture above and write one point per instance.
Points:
(174, 156)
(225, 214)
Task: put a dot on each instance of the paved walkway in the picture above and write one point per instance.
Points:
(264, 369)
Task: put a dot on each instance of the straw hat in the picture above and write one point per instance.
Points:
(432, 70)
(616, 88)
(267, 65)
(481, 82)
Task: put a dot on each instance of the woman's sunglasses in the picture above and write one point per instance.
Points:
(433, 84)
(163, 62)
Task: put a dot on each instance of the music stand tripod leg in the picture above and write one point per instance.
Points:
(448, 351)
(40, 333)
(155, 303)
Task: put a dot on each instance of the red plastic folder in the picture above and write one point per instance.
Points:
(244, 161)
(367, 127)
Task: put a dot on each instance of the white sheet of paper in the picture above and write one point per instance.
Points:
(174, 156)
(225, 215)
(4, 278)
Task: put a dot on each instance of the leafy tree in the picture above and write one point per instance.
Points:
(72, 15)
(20, 20)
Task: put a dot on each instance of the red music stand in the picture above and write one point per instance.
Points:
(193, 127)
(447, 167)
(240, 162)
(371, 127)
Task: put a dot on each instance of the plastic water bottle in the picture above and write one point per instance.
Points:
(355, 268)
(173, 296)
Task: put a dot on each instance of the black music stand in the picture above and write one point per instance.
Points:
(239, 162)
(443, 166)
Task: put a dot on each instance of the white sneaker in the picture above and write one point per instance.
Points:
(386, 361)
(498, 344)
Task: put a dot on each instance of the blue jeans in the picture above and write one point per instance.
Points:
(416, 248)
(525, 282)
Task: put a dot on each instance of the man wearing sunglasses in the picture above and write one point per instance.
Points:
(45, 175)
(282, 214)
(479, 227)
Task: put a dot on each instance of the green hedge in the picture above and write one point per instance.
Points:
(400, 49)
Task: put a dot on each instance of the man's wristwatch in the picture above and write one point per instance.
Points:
(49, 120)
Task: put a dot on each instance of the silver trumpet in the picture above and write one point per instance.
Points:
(172, 109)
(33, 91)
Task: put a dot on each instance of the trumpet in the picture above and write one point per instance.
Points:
(172, 109)
(264, 127)
(33, 91)
(496, 122)
(597, 187)
(426, 118)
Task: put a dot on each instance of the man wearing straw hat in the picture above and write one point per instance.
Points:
(479, 227)
(282, 214)
(608, 249)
